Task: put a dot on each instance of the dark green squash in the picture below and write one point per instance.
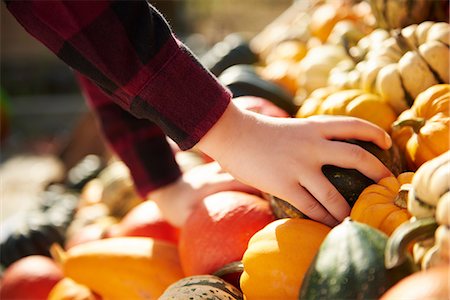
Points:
(350, 265)
(350, 182)
(201, 287)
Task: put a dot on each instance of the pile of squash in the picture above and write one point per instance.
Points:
(386, 62)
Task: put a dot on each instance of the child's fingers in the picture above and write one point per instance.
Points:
(330, 198)
(307, 204)
(349, 156)
(343, 128)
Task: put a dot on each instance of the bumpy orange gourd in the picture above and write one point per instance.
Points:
(353, 102)
(422, 132)
(384, 205)
(278, 257)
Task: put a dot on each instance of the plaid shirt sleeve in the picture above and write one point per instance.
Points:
(128, 49)
(140, 144)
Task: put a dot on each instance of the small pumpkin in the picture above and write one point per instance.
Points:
(422, 132)
(383, 205)
(352, 102)
(349, 265)
(282, 73)
(278, 256)
(428, 203)
(327, 15)
(201, 287)
(287, 50)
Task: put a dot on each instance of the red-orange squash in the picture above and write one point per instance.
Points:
(145, 220)
(218, 230)
(31, 277)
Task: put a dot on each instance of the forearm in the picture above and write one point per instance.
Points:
(140, 144)
(128, 49)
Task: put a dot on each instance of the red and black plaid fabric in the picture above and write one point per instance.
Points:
(140, 144)
(128, 49)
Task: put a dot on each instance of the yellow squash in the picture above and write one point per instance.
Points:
(352, 102)
(278, 257)
(122, 268)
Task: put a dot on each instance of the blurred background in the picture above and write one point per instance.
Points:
(41, 104)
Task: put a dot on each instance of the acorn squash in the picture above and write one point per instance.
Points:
(350, 265)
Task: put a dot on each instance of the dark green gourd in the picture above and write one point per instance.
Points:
(350, 265)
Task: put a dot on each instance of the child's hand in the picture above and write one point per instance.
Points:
(177, 200)
(284, 156)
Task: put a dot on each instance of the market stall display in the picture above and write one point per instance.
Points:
(386, 62)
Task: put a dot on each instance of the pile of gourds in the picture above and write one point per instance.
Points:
(383, 61)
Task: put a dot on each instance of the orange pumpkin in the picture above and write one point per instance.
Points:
(422, 132)
(278, 257)
(282, 73)
(218, 230)
(429, 284)
(327, 15)
(384, 205)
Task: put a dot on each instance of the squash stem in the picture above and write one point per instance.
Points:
(412, 231)
(57, 253)
(415, 124)
(401, 199)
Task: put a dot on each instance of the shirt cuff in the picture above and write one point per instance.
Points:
(183, 98)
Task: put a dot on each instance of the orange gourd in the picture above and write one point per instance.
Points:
(422, 132)
(384, 205)
(327, 15)
(278, 257)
